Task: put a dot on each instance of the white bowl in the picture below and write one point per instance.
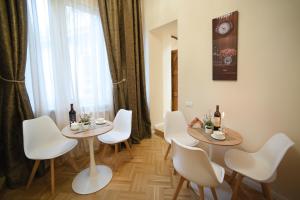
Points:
(74, 126)
(218, 135)
(100, 121)
(85, 126)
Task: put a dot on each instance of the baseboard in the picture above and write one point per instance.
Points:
(256, 186)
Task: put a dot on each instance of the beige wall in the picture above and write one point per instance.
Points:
(266, 97)
(159, 24)
(159, 12)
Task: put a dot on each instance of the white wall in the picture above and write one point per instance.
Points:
(266, 97)
(159, 24)
(159, 12)
(160, 46)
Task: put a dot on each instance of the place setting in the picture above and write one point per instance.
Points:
(218, 135)
(211, 129)
(87, 122)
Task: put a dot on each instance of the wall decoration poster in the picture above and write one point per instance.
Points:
(225, 30)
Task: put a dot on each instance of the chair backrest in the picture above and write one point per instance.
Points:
(39, 131)
(122, 121)
(175, 124)
(193, 164)
(274, 150)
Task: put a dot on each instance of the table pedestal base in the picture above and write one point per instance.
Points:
(83, 183)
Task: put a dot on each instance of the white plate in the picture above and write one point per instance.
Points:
(100, 123)
(219, 137)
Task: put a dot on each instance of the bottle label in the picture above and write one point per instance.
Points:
(217, 122)
(72, 118)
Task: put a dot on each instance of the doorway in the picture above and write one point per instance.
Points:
(174, 80)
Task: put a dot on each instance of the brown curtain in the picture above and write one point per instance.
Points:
(121, 21)
(14, 101)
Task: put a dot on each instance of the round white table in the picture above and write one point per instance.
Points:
(232, 138)
(95, 177)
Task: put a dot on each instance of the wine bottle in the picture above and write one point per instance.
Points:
(72, 115)
(217, 119)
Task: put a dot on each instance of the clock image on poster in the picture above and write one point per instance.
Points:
(227, 60)
(224, 28)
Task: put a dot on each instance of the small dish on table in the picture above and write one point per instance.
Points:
(74, 126)
(100, 121)
(218, 135)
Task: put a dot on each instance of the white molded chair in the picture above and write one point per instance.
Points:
(261, 165)
(120, 133)
(193, 164)
(43, 141)
(176, 128)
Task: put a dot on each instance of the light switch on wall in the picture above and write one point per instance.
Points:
(188, 103)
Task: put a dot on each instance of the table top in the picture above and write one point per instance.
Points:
(97, 130)
(232, 137)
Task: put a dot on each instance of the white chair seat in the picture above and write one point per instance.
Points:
(219, 171)
(261, 165)
(184, 139)
(120, 133)
(52, 149)
(249, 164)
(43, 141)
(176, 129)
(113, 137)
(193, 164)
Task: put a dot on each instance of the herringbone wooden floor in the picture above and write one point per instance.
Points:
(146, 177)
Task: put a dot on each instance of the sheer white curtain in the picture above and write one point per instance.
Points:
(67, 61)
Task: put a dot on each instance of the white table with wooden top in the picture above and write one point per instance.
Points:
(95, 177)
(232, 138)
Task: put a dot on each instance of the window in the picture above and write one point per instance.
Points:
(67, 59)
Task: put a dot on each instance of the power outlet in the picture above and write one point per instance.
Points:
(189, 104)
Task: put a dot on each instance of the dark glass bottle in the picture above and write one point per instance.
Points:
(217, 119)
(72, 115)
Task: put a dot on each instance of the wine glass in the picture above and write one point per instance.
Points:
(222, 122)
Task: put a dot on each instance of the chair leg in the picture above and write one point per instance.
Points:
(266, 190)
(236, 187)
(232, 177)
(128, 148)
(214, 193)
(99, 146)
(201, 192)
(116, 156)
(174, 171)
(178, 187)
(188, 184)
(34, 169)
(104, 151)
(116, 148)
(166, 155)
(52, 176)
(72, 163)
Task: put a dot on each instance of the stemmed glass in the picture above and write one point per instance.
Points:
(223, 128)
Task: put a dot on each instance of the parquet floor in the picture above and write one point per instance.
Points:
(145, 177)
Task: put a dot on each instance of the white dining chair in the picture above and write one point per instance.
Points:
(176, 128)
(260, 166)
(120, 133)
(44, 141)
(193, 164)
